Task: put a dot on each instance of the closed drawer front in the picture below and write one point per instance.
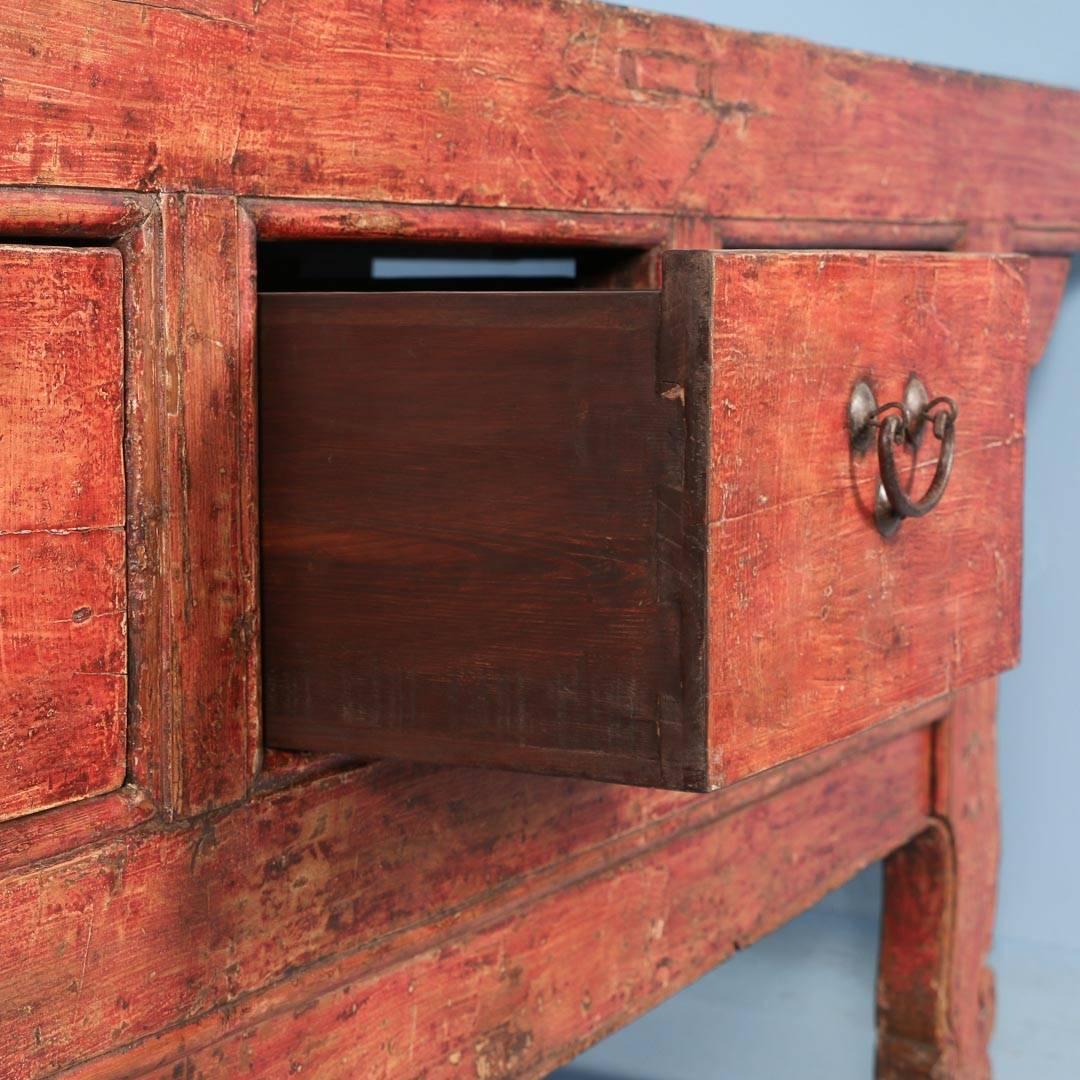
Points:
(628, 535)
(62, 597)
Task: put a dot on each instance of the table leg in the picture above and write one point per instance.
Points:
(935, 991)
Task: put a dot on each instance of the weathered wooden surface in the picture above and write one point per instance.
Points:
(61, 391)
(56, 213)
(214, 918)
(550, 105)
(62, 606)
(935, 991)
(199, 688)
(817, 626)
(328, 219)
(460, 560)
(472, 888)
(35, 838)
(1046, 287)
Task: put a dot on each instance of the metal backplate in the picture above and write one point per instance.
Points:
(861, 410)
(915, 401)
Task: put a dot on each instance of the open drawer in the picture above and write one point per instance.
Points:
(640, 536)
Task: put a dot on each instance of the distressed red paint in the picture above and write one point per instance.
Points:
(223, 915)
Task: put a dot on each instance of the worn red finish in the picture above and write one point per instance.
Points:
(935, 990)
(60, 213)
(223, 913)
(33, 838)
(62, 609)
(552, 105)
(195, 419)
(526, 873)
(1046, 286)
(816, 625)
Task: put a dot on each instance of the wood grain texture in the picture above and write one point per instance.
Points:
(1047, 278)
(796, 233)
(708, 120)
(55, 213)
(36, 838)
(60, 389)
(201, 628)
(334, 219)
(459, 505)
(817, 625)
(150, 640)
(190, 447)
(935, 990)
(200, 940)
(510, 529)
(62, 575)
(63, 689)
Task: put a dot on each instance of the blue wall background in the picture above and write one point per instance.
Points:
(1039, 713)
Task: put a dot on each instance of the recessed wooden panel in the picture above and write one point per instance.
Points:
(62, 590)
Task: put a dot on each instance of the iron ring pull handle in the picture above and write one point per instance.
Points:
(893, 430)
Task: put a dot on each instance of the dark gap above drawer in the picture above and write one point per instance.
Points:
(347, 266)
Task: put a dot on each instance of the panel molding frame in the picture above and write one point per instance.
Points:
(72, 217)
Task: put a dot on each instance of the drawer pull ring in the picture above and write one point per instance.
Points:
(898, 422)
(941, 415)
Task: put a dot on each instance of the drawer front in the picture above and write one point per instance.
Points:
(817, 624)
(62, 593)
(626, 535)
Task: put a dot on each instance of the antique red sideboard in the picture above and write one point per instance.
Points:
(338, 620)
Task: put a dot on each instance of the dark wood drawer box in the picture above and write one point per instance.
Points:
(626, 535)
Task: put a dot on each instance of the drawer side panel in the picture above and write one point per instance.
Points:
(460, 503)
